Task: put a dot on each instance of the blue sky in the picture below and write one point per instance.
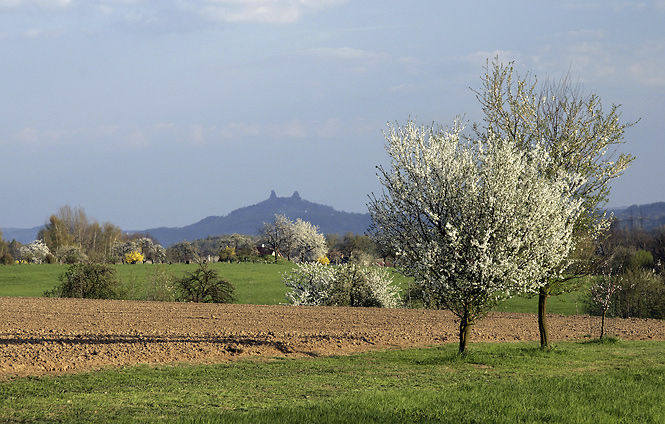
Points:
(154, 113)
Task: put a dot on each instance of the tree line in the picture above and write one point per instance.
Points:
(70, 236)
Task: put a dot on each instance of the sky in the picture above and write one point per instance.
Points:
(149, 113)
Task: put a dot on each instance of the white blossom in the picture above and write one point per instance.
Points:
(309, 242)
(316, 284)
(476, 222)
(35, 251)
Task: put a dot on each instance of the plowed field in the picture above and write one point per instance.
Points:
(48, 336)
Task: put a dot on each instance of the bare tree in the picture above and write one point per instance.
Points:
(278, 235)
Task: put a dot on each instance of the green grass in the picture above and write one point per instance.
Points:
(494, 383)
(28, 280)
(256, 283)
(565, 304)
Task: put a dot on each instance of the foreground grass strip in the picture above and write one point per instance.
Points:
(494, 383)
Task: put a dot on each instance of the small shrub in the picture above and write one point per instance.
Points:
(88, 281)
(160, 286)
(340, 285)
(204, 285)
(323, 260)
(602, 292)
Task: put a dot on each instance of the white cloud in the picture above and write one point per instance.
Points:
(329, 128)
(289, 130)
(29, 135)
(163, 126)
(32, 33)
(593, 55)
(348, 53)
(238, 130)
(34, 4)
(266, 11)
(648, 64)
(136, 139)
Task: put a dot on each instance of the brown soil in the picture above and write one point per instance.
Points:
(49, 336)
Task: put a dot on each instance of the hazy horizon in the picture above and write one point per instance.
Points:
(279, 195)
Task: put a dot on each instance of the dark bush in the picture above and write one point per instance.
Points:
(204, 285)
(87, 280)
(7, 259)
(50, 259)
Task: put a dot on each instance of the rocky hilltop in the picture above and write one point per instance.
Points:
(249, 219)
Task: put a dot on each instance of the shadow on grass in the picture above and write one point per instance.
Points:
(606, 340)
(480, 354)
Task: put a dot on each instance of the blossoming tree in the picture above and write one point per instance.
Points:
(299, 239)
(310, 244)
(473, 221)
(578, 134)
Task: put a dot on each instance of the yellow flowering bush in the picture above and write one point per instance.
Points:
(133, 257)
(227, 254)
(323, 260)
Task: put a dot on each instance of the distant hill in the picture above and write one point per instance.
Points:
(646, 217)
(249, 219)
(22, 235)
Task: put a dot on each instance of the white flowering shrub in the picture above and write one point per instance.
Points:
(474, 222)
(316, 284)
(35, 252)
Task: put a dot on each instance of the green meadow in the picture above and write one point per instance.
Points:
(581, 382)
(256, 283)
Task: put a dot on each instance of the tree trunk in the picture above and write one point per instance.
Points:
(602, 325)
(543, 294)
(464, 331)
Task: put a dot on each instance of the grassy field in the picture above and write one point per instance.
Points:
(495, 383)
(256, 283)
